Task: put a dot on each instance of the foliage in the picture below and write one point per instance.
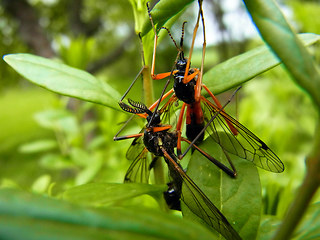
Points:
(81, 162)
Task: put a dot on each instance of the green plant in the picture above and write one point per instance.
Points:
(224, 76)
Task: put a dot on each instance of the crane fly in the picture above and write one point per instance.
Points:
(198, 111)
(161, 140)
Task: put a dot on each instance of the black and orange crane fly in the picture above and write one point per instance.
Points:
(231, 135)
(161, 140)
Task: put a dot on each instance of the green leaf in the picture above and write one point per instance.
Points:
(62, 79)
(308, 229)
(38, 146)
(140, 13)
(29, 216)
(55, 161)
(102, 194)
(246, 66)
(277, 33)
(163, 11)
(310, 225)
(93, 166)
(41, 184)
(238, 199)
(268, 227)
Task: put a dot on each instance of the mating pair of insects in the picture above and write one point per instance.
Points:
(161, 138)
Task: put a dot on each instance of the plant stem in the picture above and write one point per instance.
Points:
(149, 99)
(147, 86)
(306, 191)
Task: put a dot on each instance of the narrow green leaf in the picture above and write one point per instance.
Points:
(29, 216)
(63, 79)
(277, 33)
(38, 146)
(102, 194)
(246, 66)
(35, 229)
(238, 199)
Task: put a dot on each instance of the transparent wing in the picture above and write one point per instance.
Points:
(139, 169)
(170, 111)
(135, 148)
(198, 202)
(245, 144)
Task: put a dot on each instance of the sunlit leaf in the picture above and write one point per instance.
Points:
(277, 33)
(63, 79)
(241, 68)
(163, 11)
(41, 184)
(38, 217)
(238, 199)
(140, 13)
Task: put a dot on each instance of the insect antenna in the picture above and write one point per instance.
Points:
(139, 106)
(129, 109)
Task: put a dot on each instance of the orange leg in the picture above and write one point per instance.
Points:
(212, 96)
(155, 43)
(232, 128)
(191, 76)
(199, 81)
(179, 128)
(192, 45)
(160, 129)
(163, 97)
(160, 76)
(127, 136)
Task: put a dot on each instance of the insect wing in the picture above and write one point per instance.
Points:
(139, 170)
(170, 111)
(135, 148)
(199, 203)
(245, 144)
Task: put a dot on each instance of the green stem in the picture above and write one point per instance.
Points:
(147, 86)
(306, 191)
(159, 172)
(149, 99)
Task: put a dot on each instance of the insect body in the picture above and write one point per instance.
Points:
(161, 140)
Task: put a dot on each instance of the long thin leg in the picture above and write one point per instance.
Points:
(231, 127)
(163, 97)
(123, 126)
(232, 173)
(192, 45)
(179, 128)
(199, 81)
(140, 72)
(127, 136)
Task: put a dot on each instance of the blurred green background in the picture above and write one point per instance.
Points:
(50, 143)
